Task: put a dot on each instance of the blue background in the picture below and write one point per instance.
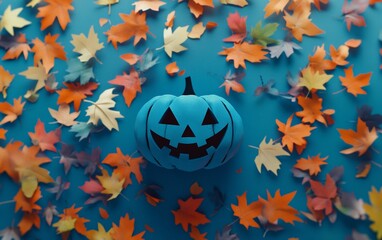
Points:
(207, 69)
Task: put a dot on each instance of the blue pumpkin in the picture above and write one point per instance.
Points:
(188, 132)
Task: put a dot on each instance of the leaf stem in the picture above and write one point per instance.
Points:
(339, 91)
(6, 202)
(251, 146)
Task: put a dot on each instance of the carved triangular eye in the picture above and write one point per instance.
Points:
(169, 118)
(209, 118)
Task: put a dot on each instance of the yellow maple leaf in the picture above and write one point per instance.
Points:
(240, 3)
(33, 3)
(37, 73)
(173, 40)
(112, 184)
(268, 153)
(101, 110)
(11, 20)
(313, 80)
(65, 224)
(374, 211)
(99, 234)
(86, 46)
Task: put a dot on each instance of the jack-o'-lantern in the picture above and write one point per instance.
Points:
(188, 132)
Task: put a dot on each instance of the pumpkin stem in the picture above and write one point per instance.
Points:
(188, 90)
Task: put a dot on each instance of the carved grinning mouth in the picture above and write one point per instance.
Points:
(191, 149)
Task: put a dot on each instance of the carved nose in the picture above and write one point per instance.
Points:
(188, 132)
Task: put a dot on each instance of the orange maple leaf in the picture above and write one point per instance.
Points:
(187, 213)
(28, 221)
(125, 230)
(275, 6)
(360, 140)
(318, 5)
(312, 164)
(72, 213)
(195, 234)
(172, 69)
(55, 9)
(27, 204)
(16, 48)
(234, 85)
(11, 112)
(6, 159)
(125, 166)
(300, 24)
(312, 109)
(372, 2)
(293, 135)
(318, 63)
(75, 93)
(324, 194)
(353, 83)
(2, 133)
(275, 208)
(197, 6)
(339, 55)
(47, 51)
(246, 213)
(134, 26)
(6, 79)
(131, 85)
(43, 139)
(244, 51)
